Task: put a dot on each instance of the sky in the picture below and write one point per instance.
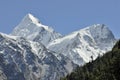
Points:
(65, 16)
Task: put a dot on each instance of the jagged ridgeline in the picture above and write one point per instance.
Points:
(33, 51)
(106, 67)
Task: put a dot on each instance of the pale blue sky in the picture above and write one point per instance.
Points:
(64, 16)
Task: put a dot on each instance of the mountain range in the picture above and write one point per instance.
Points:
(33, 51)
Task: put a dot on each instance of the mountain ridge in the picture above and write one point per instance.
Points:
(96, 38)
(47, 55)
(102, 41)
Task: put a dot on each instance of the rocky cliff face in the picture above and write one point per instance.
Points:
(21, 59)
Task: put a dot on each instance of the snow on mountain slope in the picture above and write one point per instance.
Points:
(21, 59)
(31, 28)
(80, 45)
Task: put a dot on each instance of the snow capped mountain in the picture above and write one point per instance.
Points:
(21, 59)
(80, 45)
(31, 28)
(34, 51)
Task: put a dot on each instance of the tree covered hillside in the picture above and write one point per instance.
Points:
(106, 67)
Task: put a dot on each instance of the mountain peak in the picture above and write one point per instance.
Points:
(29, 14)
(32, 29)
(29, 17)
(99, 31)
(96, 26)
